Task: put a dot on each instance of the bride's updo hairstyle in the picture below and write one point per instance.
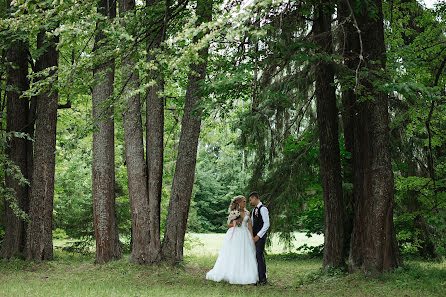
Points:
(235, 203)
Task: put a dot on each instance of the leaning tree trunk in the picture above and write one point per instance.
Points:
(327, 119)
(134, 152)
(155, 145)
(172, 248)
(16, 120)
(39, 242)
(373, 242)
(103, 166)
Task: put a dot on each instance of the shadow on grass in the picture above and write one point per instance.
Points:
(419, 275)
(291, 257)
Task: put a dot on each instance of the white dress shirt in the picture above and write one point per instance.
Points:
(265, 217)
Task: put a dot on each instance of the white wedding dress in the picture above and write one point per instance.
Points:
(236, 262)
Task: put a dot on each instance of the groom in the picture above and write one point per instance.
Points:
(260, 224)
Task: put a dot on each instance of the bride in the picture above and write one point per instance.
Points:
(236, 262)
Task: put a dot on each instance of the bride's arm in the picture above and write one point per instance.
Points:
(230, 224)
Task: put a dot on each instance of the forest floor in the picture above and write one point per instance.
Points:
(288, 274)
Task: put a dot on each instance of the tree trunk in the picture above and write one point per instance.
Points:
(103, 166)
(155, 146)
(16, 120)
(373, 242)
(172, 248)
(155, 151)
(29, 143)
(330, 165)
(134, 150)
(39, 244)
(350, 53)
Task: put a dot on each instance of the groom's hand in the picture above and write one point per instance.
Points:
(256, 238)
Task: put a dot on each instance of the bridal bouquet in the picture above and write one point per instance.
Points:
(234, 216)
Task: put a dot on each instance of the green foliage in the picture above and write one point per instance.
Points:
(312, 251)
(220, 176)
(420, 217)
(7, 167)
(73, 204)
(416, 41)
(59, 234)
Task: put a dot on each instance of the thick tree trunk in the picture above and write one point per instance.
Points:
(155, 146)
(172, 248)
(155, 151)
(330, 165)
(373, 242)
(350, 52)
(16, 120)
(108, 246)
(134, 151)
(39, 244)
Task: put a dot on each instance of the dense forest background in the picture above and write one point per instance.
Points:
(256, 108)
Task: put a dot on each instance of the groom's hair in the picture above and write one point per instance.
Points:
(254, 194)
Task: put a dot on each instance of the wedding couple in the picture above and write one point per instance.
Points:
(241, 259)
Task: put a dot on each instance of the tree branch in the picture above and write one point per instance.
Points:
(361, 57)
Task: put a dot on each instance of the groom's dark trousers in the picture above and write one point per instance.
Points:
(261, 265)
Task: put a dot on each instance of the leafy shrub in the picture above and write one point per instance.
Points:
(82, 247)
(313, 251)
(420, 220)
(59, 234)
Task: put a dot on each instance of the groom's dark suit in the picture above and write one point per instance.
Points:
(260, 220)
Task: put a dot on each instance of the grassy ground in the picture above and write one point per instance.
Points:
(289, 275)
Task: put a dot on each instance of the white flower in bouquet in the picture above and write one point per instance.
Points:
(234, 215)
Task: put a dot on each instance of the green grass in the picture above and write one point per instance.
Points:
(288, 274)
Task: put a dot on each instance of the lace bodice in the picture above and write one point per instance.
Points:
(245, 221)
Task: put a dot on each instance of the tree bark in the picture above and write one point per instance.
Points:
(108, 246)
(373, 243)
(350, 51)
(134, 151)
(327, 119)
(29, 143)
(39, 243)
(16, 120)
(155, 144)
(172, 248)
(155, 152)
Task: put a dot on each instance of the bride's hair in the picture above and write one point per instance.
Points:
(235, 203)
